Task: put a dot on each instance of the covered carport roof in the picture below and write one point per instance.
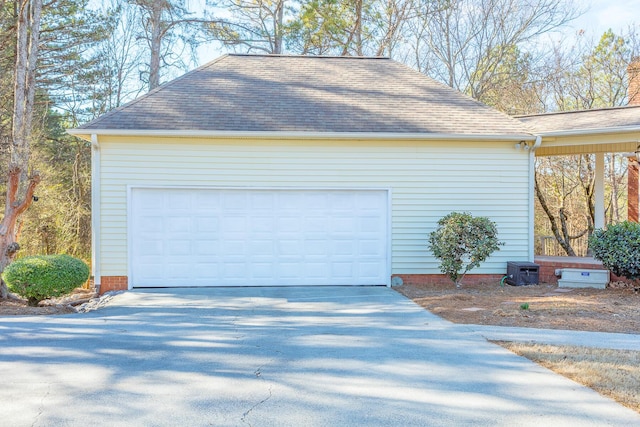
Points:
(599, 131)
(605, 130)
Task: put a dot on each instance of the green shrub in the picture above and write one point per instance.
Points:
(462, 242)
(45, 276)
(618, 247)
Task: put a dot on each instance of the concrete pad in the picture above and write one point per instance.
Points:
(334, 356)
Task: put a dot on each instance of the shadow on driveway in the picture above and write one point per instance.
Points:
(331, 356)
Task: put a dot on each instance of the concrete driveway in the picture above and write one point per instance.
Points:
(337, 356)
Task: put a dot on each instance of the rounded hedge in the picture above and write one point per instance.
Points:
(45, 276)
(618, 247)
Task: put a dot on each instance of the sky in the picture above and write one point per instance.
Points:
(600, 15)
(605, 14)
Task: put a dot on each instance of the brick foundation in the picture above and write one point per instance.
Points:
(549, 265)
(113, 283)
(547, 273)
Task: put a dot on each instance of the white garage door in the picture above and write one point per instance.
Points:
(201, 237)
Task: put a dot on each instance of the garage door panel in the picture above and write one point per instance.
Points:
(289, 224)
(261, 224)
(316, 201)
(369, 248)
(316, 247)
(234, 270)
(262, 270)
(195, 237)
(205, 248)
(344, 201)
(177, 224)
(370, 224)
(234, 200)
(316, 224)
(205, 224)
(233, 224)
(151, 224)
(207, 201)
(261, 247)
(263, 201)
(231, 248)
(288, 247)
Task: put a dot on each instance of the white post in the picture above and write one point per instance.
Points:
(95, 211)
(532, 197)
(599, 191)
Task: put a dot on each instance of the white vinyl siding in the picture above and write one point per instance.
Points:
(427, 179)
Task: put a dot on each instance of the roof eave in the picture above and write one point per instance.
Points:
(587, 132)
(86, 134)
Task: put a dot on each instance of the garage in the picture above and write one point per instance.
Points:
(258, 237)
(199, 184)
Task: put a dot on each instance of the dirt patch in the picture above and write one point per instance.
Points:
(615, 309)
(63, 305)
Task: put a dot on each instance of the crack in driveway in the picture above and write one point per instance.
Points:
(258, 374)
(246, 414)
(41, 407)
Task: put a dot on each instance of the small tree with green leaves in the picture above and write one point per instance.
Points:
(618, 247)
(462, 242)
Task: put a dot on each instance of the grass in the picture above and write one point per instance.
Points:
(612, 373)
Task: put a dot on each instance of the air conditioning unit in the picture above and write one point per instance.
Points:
(522, 273)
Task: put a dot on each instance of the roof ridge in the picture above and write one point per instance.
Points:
(285, 55)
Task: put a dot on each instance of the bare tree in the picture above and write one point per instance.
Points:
(464, 43)
(557, 184)
(20, 186)
(350, 27)
(121, 58)
(393, 22)
(582, 75)
(255, 25)
(162, 22)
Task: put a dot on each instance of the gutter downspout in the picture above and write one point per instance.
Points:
(532, 203)
(95, 212)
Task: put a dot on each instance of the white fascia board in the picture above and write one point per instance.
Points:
(86, 133)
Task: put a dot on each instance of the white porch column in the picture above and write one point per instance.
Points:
(95, 211)
(599, 191)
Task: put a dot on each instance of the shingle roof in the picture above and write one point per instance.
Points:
(585, 120)
(269, 93)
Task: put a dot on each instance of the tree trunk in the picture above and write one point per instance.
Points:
(278, 28)
(155, 18)
(12, 211)
(561, 237)
(358, 29)
(20, 189)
